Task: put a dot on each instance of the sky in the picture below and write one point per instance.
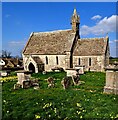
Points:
(19, 19)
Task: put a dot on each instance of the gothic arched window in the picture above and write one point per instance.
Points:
(79, 61)
(57, 61)
(89, 61)
(46, 59)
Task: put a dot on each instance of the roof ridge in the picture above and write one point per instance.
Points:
(35, 33)
(92, 38)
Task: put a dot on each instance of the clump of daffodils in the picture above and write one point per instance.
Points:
(7, 79)
(47, 105)
(37, 116)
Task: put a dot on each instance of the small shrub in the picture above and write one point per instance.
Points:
(13, 74)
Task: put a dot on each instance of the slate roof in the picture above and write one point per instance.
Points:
(90, 46)
(58, 42)
(54, 42)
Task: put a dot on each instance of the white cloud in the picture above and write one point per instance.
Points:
(17, 43)
(96, 17)
(106, 25)
(115, 40)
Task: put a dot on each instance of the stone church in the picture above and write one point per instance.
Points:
(65, 49)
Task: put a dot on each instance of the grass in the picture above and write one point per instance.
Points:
(78, 102)
(112, 60)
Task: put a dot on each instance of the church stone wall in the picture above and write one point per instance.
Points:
(97, 62)
(52, 62)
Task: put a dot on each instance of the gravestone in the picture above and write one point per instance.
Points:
(66, 82)
(17, 86)
(34, 82)
(50, 81)
(111, 86)
(76, 79)
(23, 79)
(26, 84)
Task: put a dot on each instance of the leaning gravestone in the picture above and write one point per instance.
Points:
(111, 86)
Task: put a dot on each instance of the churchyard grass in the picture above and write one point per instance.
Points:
(84, 101)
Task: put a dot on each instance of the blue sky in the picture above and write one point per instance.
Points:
(21, 18)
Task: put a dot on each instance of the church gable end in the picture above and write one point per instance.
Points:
(92, 53)
(55, 42)
(88, 47)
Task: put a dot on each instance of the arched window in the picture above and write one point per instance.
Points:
(79, 61)
(57, 61)
(89, 61)
(46, 59)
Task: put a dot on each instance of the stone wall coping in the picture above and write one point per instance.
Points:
(113, 69)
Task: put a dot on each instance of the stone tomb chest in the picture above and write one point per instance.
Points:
(71, 71)
(80, 68)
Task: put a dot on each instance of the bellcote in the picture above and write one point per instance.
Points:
(75, 21)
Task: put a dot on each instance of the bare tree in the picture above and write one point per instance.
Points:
(6, 54)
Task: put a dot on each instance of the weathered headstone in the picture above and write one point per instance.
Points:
(111, 86)
(76, 79)
(17, 86)
(34, 82)
(26, 84)
(66, 82)
(50, 81)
